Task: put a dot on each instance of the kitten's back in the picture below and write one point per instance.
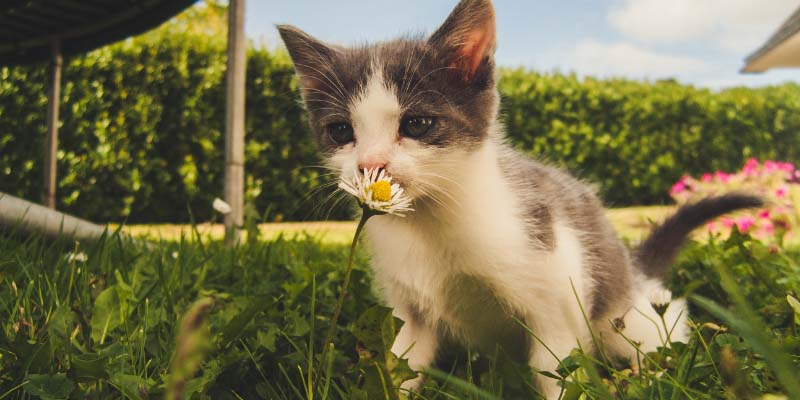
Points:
(551, 198)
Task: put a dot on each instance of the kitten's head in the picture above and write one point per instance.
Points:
(415, 107)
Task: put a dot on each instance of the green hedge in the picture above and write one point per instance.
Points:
(636, 139)
(142, 132)
(142, 121)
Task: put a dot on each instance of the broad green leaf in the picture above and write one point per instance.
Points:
(267, 339)
(106, 314)
(298, 324)
(49, 387)
(132, 386)
(90, 365)
(61, 324)
(376, 329)
(795, 306)
(234, 328)
(377, 381)
(35, 356)
(399, 370)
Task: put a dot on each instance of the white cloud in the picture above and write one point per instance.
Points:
(735, 25)
(625, 59)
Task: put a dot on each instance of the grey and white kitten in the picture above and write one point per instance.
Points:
(496, 237)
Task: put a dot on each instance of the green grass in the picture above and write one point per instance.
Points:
(189, 316)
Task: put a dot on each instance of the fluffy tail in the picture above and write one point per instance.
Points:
(656, 254)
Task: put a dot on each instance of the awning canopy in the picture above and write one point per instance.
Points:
(29, 27)
(782, 50)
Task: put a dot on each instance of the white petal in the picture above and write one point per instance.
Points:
(660, 297)
(221, 206)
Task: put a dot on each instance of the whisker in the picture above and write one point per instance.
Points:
(329, 82)
(442, 177)
(416, 68)
(335, 205)
(317, 210)
(428, 75)
(332, 97)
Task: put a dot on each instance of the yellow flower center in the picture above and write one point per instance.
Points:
(381, 191)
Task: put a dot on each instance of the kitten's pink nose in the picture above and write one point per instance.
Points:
(371, 165)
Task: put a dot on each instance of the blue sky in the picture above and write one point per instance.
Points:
(702, 42)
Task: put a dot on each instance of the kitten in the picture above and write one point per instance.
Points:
(495, 237)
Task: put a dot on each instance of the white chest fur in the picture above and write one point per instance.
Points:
(472, 267)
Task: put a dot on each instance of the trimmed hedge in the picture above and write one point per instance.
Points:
(142, 132)
(142, 122)
(636, 139)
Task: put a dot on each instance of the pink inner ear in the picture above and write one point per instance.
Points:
(477, 44)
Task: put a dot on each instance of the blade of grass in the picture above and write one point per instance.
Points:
(460, 384)
(753, 331)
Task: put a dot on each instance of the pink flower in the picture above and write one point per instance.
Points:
(678, 188)
(777, 166)
(726, 222)
(722, 176)
(711, 226)
(767, 228)
(781, 192)
(744, 224)
(763, 214)
(750, 167)
(707, 177)
(771, 166)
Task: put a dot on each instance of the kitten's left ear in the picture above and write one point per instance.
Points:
(468, 38)
(311, 59)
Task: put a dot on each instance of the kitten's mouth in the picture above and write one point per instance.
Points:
(376, 192)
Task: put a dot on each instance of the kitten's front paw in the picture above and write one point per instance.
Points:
(550, 389)
(412, 385)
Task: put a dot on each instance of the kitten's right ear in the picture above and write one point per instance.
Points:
(311, 57)
(468, 38)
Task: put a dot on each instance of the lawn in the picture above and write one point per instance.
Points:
(631, 223)
(122, 319)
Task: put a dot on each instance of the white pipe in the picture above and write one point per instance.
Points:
(31, 217)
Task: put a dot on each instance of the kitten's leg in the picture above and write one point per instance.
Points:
(417, 341)
(559, 341)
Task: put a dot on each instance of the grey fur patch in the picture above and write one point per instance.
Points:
(542, 218)
(567, 199)
(427, 78)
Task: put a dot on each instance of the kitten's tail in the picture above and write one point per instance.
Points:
(656, 254)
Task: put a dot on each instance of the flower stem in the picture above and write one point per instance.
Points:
(343, 291)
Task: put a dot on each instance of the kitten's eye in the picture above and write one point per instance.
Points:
(415, 127)
(341, 132)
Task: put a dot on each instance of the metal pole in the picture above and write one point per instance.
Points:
(234, 122)
(51, 142)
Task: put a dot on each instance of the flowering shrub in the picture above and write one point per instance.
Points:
(777, 182)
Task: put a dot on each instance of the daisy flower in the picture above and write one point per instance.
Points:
(375, 191)
(659, 300)
(221, 206)
(377, 195)
(77, 257)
